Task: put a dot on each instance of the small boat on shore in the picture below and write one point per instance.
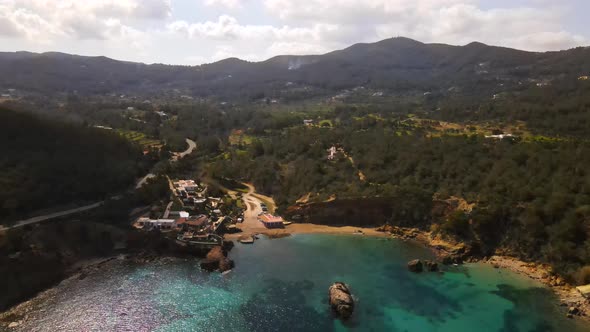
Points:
(205, 241)
(246, 240)
(287, 223)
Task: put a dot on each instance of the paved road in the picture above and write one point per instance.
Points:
(191, 146)
(38, 219)
(175, 156)
(143, 180)
(167, 211)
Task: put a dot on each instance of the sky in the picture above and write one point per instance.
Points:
(191, 32)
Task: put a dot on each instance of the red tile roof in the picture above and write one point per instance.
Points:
(270, 218)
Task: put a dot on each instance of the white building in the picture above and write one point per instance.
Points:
(332, 152)
(163, 224)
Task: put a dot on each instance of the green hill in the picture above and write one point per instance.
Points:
(46, 163)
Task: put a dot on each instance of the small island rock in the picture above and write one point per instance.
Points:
(415, 266)
(216, 260)
(431, 266)
(341, 300)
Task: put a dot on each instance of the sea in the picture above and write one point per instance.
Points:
(282, 285)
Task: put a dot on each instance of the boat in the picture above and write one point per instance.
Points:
(199, 240)
(246, 240)
(287, 223)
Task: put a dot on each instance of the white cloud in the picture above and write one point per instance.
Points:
(258, 42)
(452, 21)
(354, 12)
(89, 19)
(150, 30)
(232, 4)
(228, 28)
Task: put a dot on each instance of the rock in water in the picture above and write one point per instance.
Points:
(415, 265)
(341, 300)
(209, 265)
(226, 264)
(216, 259)
(431, 266)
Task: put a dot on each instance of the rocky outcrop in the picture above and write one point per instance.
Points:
(217, 260)
(13, 325)
(458, 255)
(365, 212)
(341, 300)
(228, 245)
(574, 310)
(209, 265)
(418, 266)
(415, 266)
(400, 232)
(430, 266)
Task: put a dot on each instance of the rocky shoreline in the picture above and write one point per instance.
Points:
(15, 316)
(573, 302)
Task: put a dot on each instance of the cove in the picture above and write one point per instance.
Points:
(282, 285)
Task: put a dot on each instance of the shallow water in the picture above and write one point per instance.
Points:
(282, 285)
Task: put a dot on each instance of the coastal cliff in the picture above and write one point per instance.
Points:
(445, 228)
(414, 210)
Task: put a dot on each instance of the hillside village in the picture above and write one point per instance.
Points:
(200, 221)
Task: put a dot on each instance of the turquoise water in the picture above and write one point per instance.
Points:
(282, 285)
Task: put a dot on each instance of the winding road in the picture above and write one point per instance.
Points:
(38, 219)
(191, 146)
(175, 156)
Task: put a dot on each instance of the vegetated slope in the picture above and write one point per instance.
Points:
(46, 163)
(396, 63)
(531, 197)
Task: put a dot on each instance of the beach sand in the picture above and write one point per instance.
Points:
(567, 294)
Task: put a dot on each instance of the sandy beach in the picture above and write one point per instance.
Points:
(305, 229)
(568, 296)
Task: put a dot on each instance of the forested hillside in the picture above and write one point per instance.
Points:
(46, 163)
(396, 64)
(530, 193)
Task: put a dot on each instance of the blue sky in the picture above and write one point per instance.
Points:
(200, 31)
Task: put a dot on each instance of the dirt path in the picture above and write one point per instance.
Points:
(251, 224)
(360, 173)
(191, 146)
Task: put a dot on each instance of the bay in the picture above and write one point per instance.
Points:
(282, 285)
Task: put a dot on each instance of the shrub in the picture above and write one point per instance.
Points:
(582, 277)
(457, 224)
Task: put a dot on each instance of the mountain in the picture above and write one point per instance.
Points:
(395, 64)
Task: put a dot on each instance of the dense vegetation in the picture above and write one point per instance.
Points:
(531, 193)
(561, 109)
(46, 163)
(408, 120)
